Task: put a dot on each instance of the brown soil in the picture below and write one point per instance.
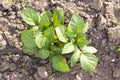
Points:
(102, 15)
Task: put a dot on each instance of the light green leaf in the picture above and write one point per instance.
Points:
(60, 31)
(70, 34)
(40, 40)
(58, 17)
(68, 48)
(30, 16)
(49, 33)
(85, 29)
(28, 39)
(76, 24)
(89, 49)
(88, 62)
(82, 42)
(75, 57)
(43, 53)
(45, 19)
(60, 64)
(30, 51)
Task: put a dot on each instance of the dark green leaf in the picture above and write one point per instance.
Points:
(56, 49)
(58, 17)
(43, 53)
(75, 57)
(76, 24)
(30, 16)
(60, 64)
(40, 40)
(88, 62)
(68, 48)
(60, 31)
(45, 19)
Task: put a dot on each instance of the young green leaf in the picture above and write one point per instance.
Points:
(58, 17)
(70, 34)
(49, 33)
(60, 31)
(75, 57)
(88, 49)
(88, 62)
(28, 39)
(76, 24)
(30, 51)
(45, 19)
(68, 48)
(43, 53)
(82, 42)
(40, 40)
(30, 16)
(60, 64)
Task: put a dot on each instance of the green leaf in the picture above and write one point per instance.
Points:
(45, 19)
(56, 49)
(85, 29)
(60, 64)
(27, 38)
(88, 62)
(58, 17)
(76, 24)
(40, 40)
(60, 31)
(82, 42)
(89, 49)
(68, 48)
(81, 35)
(30, 16)
(43, 53)
(30, 51)
(75, 57)
(49, 33)
(70, 34)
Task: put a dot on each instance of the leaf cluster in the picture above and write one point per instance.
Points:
(48, 37)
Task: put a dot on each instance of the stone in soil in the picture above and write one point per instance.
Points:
(15, 57)
(36, 76)
(6, 4)
(114, 33)
(42, 72)
(12, 67)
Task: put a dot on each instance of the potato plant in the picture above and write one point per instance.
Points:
(49, 38)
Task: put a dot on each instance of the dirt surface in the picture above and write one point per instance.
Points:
(102, 15)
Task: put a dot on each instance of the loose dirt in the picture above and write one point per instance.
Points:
(102, 15)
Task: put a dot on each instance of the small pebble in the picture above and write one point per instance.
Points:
(42, 72)
(113, 60)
